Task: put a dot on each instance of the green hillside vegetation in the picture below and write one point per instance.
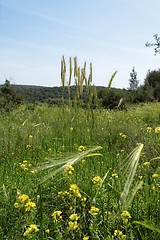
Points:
(11, 95)
(53, 95)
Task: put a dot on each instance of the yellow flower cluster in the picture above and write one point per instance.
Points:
(30, 137)
(31, 230)
(146, 164)
(85, 238)
(74, 217)
(114, 175)
(47, 231)
(155, 175)
(157, 130)
(97, 180)
(24, 202)
(57, 215)
(73, 224)
(64, 194)
(28, 146)
(81, 148)
(94, 210)
(125, 215)
(75, 190)
(122, 135)
(69, 170)
(118, 235)
(25, 165)
(149, 129)
(71, 129)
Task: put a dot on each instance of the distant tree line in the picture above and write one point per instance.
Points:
(13, 95)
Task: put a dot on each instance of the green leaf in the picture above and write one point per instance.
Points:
(146, 225)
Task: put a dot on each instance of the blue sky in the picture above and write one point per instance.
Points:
(111, 34)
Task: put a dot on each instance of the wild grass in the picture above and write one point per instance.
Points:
(63, 177)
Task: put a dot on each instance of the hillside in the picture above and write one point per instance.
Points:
(31, 94)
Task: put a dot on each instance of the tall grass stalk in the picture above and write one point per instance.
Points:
(111, 80)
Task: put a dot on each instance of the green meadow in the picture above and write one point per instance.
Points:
(70, 173)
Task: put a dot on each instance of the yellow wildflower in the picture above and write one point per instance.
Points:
(56, 215)
(69, 170)
(81, 148)
(149, 129)
(157, 130)
(23, 201)
(114, 175)
(74, 217)
(118, 233)
(25, 165)
(123, 135)
(73, 225)
(155, 175)
(75, 189)
(125, 215)
(85, 238)
(64, 193)
(71, 129)
(16, 205)
(146, 164)
(23, 198)
(94, 210)
(153, 188)
(83, 199)
(47, 231)
(31, 230)
(38, 197)
(97, 180)
(29, 205)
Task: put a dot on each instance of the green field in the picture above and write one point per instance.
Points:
(69, 173)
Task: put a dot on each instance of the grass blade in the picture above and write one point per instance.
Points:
(134, 159)
(69, 161)
(146, 225)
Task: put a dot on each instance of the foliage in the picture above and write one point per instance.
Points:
(110, 99)
(9, 96)
(133, 82)
(152, 82)
(156, 45)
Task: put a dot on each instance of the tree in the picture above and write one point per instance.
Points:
(156, 45)
(152, 81)
(9, 96)
(133, 82)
